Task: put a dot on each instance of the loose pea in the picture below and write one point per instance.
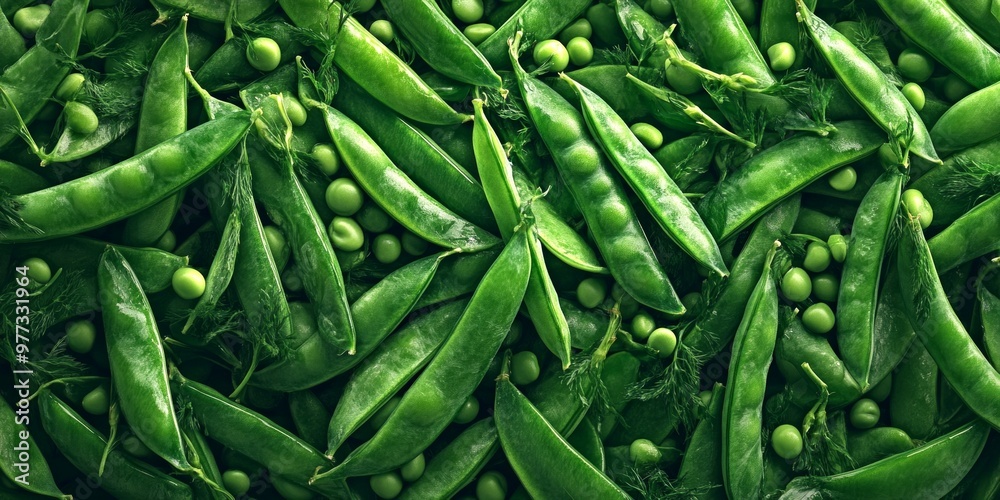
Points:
(642, 325)
(167, 241)
(661, 8)
(468, 412)
(467, 11)
(264, 54)
(644, 452)
(188, 283)
(236, 482)
(580, 28)
(664, 341)
(412, 470)
(915, 65)
(387, 485)
(344, 196)
(289, 490)
(524, 368)
(955, 88)
(787, 441)
(819, 318)
(817, 257)
(386, 248)
(70, 86)
(826, 287)
(80, 118)
(684, 82)
(96, 401)
(277, 243)
(782, 56)
(383, 30)
(374, 219)
(591, 292)
(413, 244)
(838, 247)
(296, 112)
(38, 270)
(552, 51)
(80, 336)
(865, 414)
(98, 27)
(346, 235)
(648, 135)
(491, 486)
(478, 32)
(915, 94)
(844, 179)
(581, 52)
(917, 206)
(29, 19)
(326, 158)
(795, 285)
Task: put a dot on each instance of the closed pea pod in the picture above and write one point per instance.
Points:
(971, 236)
(541, 19)
(796, 346)
(701, 467)
(458, 464)
(310, 417)
(962, 176)
(38, 479)
(980, 14)
(969, 121)
(12, 45)
(872, 445)
(16, 179)
(216, 11)
(642, 30)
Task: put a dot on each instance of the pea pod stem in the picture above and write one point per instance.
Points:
(738, 82)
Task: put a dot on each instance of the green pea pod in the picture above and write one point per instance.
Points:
(621, 371)
(124, 189)
(396, 193)
(938, 30)
(981, 15)
(669, 107)
(458, 464)
(989, 313)
(215, 11)
(16, 179)
(871, 445)
(686, 159)
(941, 331)
(436, 396)
(371, 64)
(386, 370)
(29, 82)
(12, 45)
(32, 474)
(310, 417)
(870, 87)
(968, 122)
(599, 195)
(796, 346)
(643, 32)
(930, 471)
(701, 467)
(983, 481)
(227, 67)
(543, 460)
(719, 35)
(952, 189)
(658, 192)
(650, 419)
(124, 476)
(586, 326)
(608, 81)
(778, 24)
(860, 278)
(892, 331)
(742, 412)
(971, 236)
(201, 456)
(458, 276)
(504, 199)
(750, 191)
(540, 19)
(587, 442)
(220, 274)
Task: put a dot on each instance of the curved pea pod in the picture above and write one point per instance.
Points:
(686, 159)
(586, 326)
(871, 445)
(983, 481)
(742, 411)
(981, 16)
(970, 121)
(458, 276)
(31, 80)
(608, 81)
(544, 461)
(587, 441)
(376, 314)
(599, 195)
(913, 402)
(310, 417)
(929, 471)
(32, 475)
(540, 19)
(16, 179)
(371, 64)
(701, 467)
(884, 103)
(124, 189)
(124, 476)
(12, 45)
(227, 67)
(458, 464)
(679, 112)
(937, 29)
(201, 456)
(989, 314)
(642, 30)
(719, 35)
(437, 395)
(860, 278)
(396, 193)
(941, 331)
(953, 188)
(250, 433)
(893, 333)
(386, 370)
(971, 236)
(658, 192)
(211, 10)
(778, 24)
(620, 371)
(796, 346)
(750, 191)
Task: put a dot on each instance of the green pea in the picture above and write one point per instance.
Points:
(413, 244)
(167, 241)
(96, 401)
(644, 452)
(881, 391)
(914, 93)
(553, 52)
(289, 490)
(817, 257)
(524, 368)
(648, 135)
(168, 161)
(643, 324)
(795, 285)
(683, 81)
(344, 196)
(662, 9)
(296, 111)
(135, 447)
(826, 287)
(291, 280)
(955, 89)
(705, 397)
(386, 485)
(386, 248)
(326, 158)
(277, 243)
(412, 470)
(844, 179)
(693, 302)
(70, 86)
(787, 441)
(491, 486)
(468, 412)
(838, 247)
(581, 52)
(915, 65)
(346, 235)
(591, 292)
(38, 270)
(605, 24)
(98, 27)
(264, 54)
(782, 56)
(374, 219)
(887, 155)
(383, 30)
(664, 341)
(80, 336)
(917, 206)
(362, 6)
(477, 33)
(865, 414)
(236, 482)
(80, 118)
(819, 318)
(747, 9)
(188, 283)
(467, 11)
(28, 19)
(580, 28)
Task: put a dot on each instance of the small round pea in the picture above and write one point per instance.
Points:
(477, 33)
(644, 452)
(374, 219)
(344, 196)
(795, 285)
(787, 441)
(468, 412)
(705, 397)
(955, 89)
(467, 11)
(70, 86)
(917, 206)
(887, 155)
(96, 401)
(552, 51)
(915, 65)
(80, 336)
(662, 9)
(98, 27)
(291, 280)
(167, 241)
(865, 414)
(80, 118)
(817, 257)
(663, 340)
(386, 248)
(413, 244)
(346, 235)
(289, 490)
(648, 135)
(581, 52)
(591, 292)
(383, 30)
(236, 482)
(580, 28)
(412, 470)
(491, 486)
(188, 283)
(782, 56)
(844, 179)
(135, 447)
(826, 287)
(838, 247)
(379, 418)
(38, 270)
(27, 20)
(296, 111)
(277, 243)
(643, 324)
(362, 6)
(819, 318)
(326, 158)
(387, 485)
(914, 93)
(683, 81)
(264, 54)
(524, 368)
(693, 302)
(881, 391)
